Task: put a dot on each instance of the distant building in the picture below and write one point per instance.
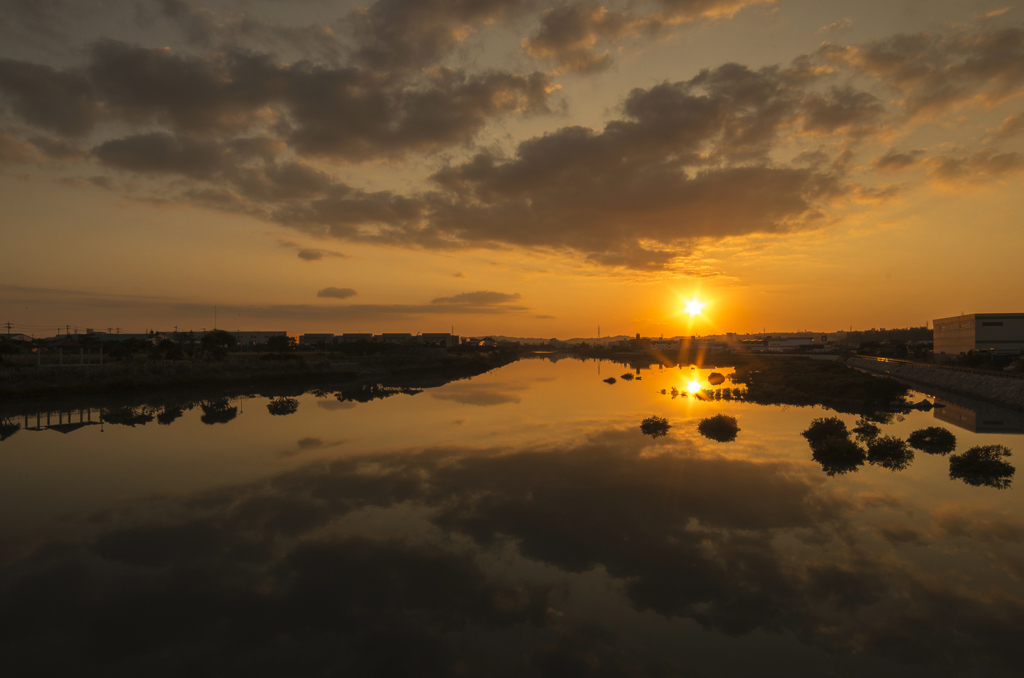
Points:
(349, 337)
(788, 344)
(316, 338)
(394, 338)
(257, 338)
(445, 339)
(995, 332)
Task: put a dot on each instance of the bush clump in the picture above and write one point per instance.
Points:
(656, 427)
(720, 427)
(890, 453)
(865, 430)
(609, 380)
(984, 465)
(822, 429)
(628, 376)
(838, 455)
(716, 378)
(933, 440)
(283, 406)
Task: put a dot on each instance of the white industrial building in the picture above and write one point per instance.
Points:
(989, 332)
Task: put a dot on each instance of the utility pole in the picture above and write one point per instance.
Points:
(214, 317)
(8, 328)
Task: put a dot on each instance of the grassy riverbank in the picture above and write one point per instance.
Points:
(19, 383)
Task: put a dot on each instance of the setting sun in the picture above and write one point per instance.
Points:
(693, 386)
(694, 307)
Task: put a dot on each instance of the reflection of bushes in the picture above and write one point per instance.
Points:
(283, 406)
(365, 393)
(933, 440)
(217, 411)
(794, 381)
(824, 428)
(127, 416)
(655, 427)
(628, 376)
(168, 415)
(984, 465)
(866, 431)
(720, 427)
(8, 429)
(609, 380)
(837, 455)
(890, 453)
(716, 378)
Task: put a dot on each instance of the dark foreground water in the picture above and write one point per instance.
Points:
(515, 524)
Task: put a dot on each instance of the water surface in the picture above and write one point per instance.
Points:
(514, 524)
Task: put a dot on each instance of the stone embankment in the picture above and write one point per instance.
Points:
(995, 388)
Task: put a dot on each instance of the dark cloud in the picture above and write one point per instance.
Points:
(977, 167)
(479, 298)
(59, 101)
(936, 72)
(318, 254)
(336, 292)
(161, 153)
(895, 161)
(191, 93)
(345, 113)
(405, 34)
(569, 35)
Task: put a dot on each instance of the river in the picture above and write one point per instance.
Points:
(514, 524)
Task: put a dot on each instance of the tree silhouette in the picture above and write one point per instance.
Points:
(984, 465)
(656, 427)
(933, 440)
(890, 453)
(721, 428)
(217, 411)
(283, 406)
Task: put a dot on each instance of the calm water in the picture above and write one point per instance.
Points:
(515, 524)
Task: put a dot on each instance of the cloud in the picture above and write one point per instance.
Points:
(569, 34)
(975, 168)
(936, 73)
(896, 161)
(837, 26)
(317, 254)
(336, 292)
(406, 34)
(1010, 126)
(59, 101)
(479, 298)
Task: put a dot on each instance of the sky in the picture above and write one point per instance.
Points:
(515, 167)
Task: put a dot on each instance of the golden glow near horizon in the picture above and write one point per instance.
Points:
(693, 387)
(531, 212)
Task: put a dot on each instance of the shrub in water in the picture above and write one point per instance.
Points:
(655, 427)
(933, 440)
(609, 380)
(838, 455)
(720, 427)
(825, 428)
(283, 406)
(865, 430)
(628, 376)
(983, 465)
(889, 452)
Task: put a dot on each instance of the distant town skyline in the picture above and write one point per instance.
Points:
(511, 167)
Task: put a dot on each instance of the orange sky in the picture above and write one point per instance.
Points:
(509, 167)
